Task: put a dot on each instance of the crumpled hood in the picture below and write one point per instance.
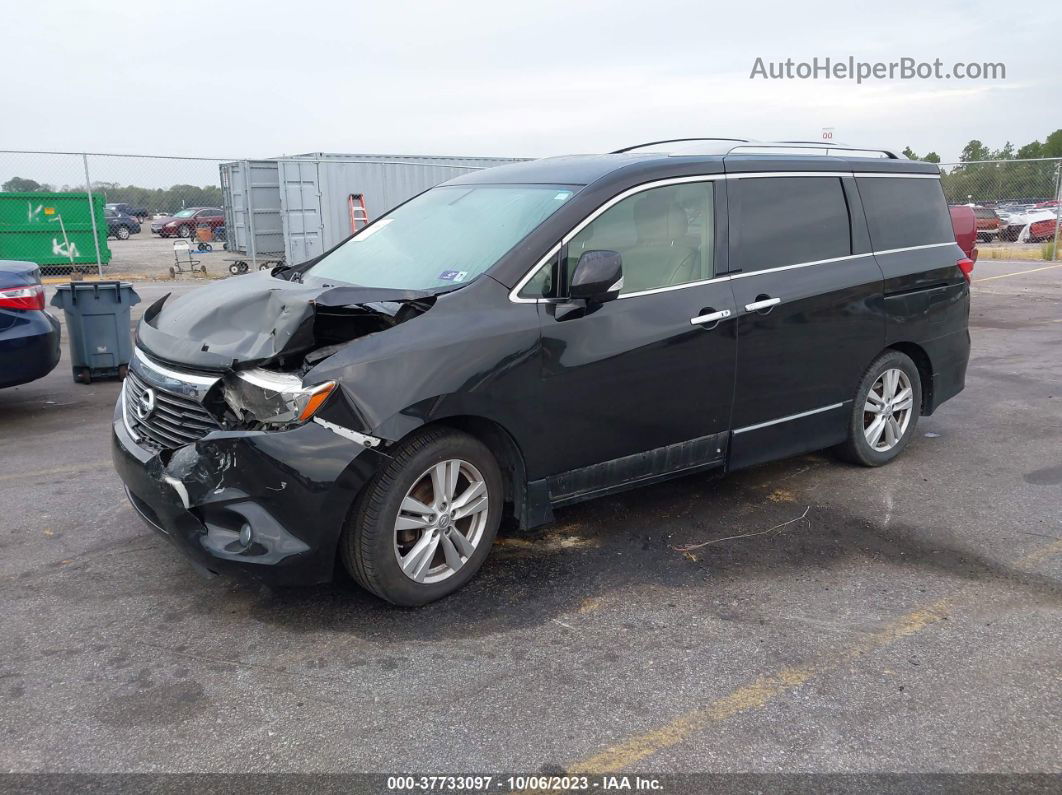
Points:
(249, 320)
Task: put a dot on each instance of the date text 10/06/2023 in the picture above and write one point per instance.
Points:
(485, 784)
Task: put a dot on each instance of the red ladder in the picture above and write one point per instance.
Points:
(358, 213)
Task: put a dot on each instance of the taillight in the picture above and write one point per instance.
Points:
(966, 266)
(31, 297)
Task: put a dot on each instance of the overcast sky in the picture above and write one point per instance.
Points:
(257, 79)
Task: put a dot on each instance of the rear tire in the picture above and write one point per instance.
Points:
(122, 232)
(885, 412)
(402, 509)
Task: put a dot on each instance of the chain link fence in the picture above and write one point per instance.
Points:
(136, 216)
(155, 217)
(1016, 203)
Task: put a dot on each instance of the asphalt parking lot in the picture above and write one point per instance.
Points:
(910, 621)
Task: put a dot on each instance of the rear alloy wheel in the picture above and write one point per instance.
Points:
(122, 232)
(885, 411)
(426, 522)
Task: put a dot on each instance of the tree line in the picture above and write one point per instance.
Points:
(972, 180)
(967, 181)
(154, 200)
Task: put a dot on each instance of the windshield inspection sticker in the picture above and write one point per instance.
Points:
(453, 276)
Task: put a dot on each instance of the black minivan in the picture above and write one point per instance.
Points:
(533, 335)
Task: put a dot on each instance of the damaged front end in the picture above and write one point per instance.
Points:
(264, 321)
(271, 503)
(223, 442)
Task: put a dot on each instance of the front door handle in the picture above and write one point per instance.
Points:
(756, 306)
(711, 317)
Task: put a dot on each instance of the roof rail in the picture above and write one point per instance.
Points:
(674, 141)
(827, 148)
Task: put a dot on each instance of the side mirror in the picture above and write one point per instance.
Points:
(598, 277)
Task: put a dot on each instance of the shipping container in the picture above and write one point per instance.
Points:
(250, 190)
(310, 196)
(52, 228)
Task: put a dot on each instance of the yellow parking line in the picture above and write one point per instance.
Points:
(766, 688)
(1040, 555)
(752, 696)
(1018, 273)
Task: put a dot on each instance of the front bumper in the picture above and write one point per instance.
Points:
(294, 488)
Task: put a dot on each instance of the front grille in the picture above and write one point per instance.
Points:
(175, 421)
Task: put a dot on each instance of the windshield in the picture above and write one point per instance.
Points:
(444, 237)
(184, 214)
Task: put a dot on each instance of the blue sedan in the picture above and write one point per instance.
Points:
(29, 336)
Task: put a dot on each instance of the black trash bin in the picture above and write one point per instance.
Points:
(98, 327)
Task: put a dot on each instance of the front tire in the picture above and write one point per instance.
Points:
(122, 232)
(426, 522)
(184, 231)
(885, 412)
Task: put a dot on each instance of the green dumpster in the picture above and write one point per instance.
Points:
(52, 228)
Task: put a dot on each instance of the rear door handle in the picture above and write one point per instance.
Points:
(756, 306)
(711, 317)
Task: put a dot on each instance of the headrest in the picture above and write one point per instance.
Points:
(658, 219)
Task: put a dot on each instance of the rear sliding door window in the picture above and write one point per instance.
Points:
(790, 220)
(904, 212)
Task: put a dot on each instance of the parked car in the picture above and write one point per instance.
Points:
(184, 223)
(988, 224)
(29, 336)
(1043, 229)
(120, 225)
(1020, 225)
(533, 335)
(139, 213)
(964, 225)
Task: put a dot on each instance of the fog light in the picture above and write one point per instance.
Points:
(246, 535)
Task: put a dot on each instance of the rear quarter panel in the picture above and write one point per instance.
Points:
(927, 303)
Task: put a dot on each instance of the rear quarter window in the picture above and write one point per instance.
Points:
(903, 212)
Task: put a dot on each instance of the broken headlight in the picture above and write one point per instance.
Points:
(273, 400)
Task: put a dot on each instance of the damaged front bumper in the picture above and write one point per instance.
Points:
(268, 504)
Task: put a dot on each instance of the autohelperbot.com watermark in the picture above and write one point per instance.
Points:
(861, 71)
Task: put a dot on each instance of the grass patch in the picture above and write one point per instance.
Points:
(1015, 251)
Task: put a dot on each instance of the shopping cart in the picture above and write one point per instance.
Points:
(183, 260)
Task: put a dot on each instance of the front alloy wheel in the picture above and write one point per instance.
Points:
(441, 521)
(425, 523)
